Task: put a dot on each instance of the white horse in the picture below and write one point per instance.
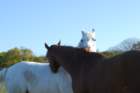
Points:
(33, 77)
(88, 41)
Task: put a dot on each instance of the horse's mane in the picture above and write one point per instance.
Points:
(79, 52)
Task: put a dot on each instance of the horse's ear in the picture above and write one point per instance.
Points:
(93, 30)
(46, 46)
(83, 33)
(59, 43)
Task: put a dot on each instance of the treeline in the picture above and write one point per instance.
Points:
(15, 55)
(125, 45)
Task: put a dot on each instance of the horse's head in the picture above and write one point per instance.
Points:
(62, 55)
(88, 41)
(54, 65)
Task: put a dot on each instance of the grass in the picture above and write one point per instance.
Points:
(2, 88)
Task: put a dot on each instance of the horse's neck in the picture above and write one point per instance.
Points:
(92, 49)
(69, 64)
(92, 46)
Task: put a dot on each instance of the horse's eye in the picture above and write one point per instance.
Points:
(93, 39)
(82, 40)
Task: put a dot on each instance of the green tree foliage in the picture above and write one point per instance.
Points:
(39, 59)
(111, 53)
(15, 55)
(2, 59)
(26, 54)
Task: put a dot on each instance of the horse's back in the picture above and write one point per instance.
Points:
(121, 72)
(38, 77)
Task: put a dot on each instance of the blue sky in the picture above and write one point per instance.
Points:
(29, 23)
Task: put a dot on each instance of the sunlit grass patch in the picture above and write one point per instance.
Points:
(2, 88)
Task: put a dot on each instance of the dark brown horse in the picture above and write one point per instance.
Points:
(92, 73)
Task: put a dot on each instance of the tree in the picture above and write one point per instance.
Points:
(125, 45)
(136, 46)
(40, 59)
(15, 55)
(26, 54)
(12, 56)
